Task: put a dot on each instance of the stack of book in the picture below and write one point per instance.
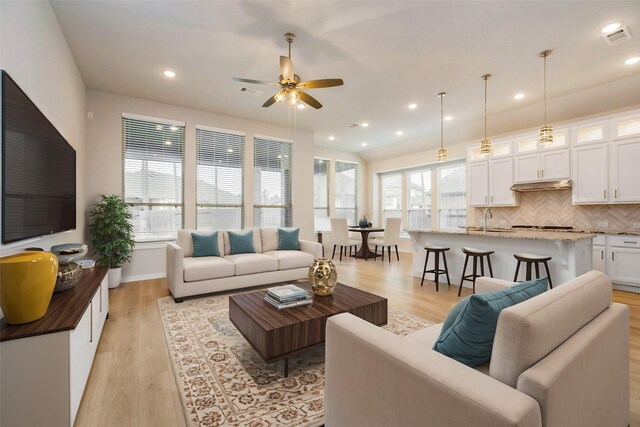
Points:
(287, 296)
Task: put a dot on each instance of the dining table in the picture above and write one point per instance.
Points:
(364, 251)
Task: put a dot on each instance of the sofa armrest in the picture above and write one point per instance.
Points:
(489, 284)
(175, 275)
(314, 248)
(376, 378)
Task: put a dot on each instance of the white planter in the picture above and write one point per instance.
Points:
(114, 277)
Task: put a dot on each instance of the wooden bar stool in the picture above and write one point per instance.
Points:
(476, 254)
(531, 259)
(437, 271)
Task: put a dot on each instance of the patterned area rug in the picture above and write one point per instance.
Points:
(223, 382)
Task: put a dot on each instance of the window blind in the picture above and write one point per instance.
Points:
(346, 198)
(321, 194)
(452, 196)
(419, 199)
(153, 176)
(272, 183)
(219, 179)
(391, 197)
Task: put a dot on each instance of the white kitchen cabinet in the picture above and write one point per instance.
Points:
(500, 181)
(625, 266)
(478, 184)
(626, 127)
(555, 165)
(590, 174)
(590, 133)
(625, 171)
(527, 168)
(599, 261)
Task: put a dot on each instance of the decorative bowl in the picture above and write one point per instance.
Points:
(68, 252)
(68, 275)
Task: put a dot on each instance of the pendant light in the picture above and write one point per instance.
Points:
(485, 144)
(442, 153)
(545, 133)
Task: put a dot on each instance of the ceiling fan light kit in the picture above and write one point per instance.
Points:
(545, 133)
(485, 144)
(290, 83)
(442, 153)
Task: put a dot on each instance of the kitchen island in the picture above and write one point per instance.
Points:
(571, 251)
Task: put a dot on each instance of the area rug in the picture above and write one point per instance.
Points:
(223, 382)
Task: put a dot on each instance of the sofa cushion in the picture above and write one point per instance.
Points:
(204, 268)
(269, 239)
(185, 241)
(205, 244)
(256, 240)
(291, 259)
(528, 332)
(241, 242)
(252, 263)
(288, 239)
(470, 339)
(424, 337)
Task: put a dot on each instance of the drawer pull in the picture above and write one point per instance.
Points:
(601, 254)
(630, 242)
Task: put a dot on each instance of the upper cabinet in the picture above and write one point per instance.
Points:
(626, 127)
(590, 174)
(489, 183)
(543, 166)
(590, 133)
(529, 143)
(478, 183)
(625, 171)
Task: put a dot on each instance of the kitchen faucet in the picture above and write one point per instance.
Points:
(486, 211)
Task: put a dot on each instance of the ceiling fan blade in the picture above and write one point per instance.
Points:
(310, 100)
(270, 101)
(255, 82)
(286, 68)
(316, 84)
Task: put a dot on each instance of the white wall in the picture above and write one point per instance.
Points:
(35, 53)
(104, 164)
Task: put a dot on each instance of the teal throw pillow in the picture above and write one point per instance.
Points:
(241, 242)
(454, 313)
(288, 239)
(205, 244)
(469, 339)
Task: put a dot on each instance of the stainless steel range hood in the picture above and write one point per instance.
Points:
(564, 184)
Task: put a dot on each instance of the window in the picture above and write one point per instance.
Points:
(346, 194)
(419, 199)
(219, 179)
(272, 183)
(391, 196)
(452, 200)
(153, 181)
(321, 194)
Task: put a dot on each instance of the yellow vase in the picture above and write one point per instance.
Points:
(27, 280)
(323, 276)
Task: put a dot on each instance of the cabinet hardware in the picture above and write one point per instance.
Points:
(538, 174)
(613, 256)
(601, 254)
(628, 241)
(491, 199)
(605, 194)
(91, 323)
(615, 194)
(542, 173)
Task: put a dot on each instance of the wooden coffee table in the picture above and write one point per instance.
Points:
(277, 334)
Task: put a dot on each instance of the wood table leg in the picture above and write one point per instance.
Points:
(286, 367)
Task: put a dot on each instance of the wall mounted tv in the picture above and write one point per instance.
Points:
(38, 170)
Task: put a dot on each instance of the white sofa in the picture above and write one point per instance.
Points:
(188, 275)
(560, 359)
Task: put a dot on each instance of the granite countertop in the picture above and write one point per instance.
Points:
(564, 236)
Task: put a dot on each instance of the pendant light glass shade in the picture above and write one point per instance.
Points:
(485, 144)
(545, 133)
(442, 153)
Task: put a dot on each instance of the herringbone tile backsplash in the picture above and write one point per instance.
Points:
(555, 208)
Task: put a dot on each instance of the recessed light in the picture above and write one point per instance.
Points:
(412, 106)
(158, 127)
(301, 106)
(173, 128)
(447, 118)
(364, 144)
(168, 73)
(365, 124)
(331, 138)
(611, 27)
(399, 133)
(633, 60)
(167, 142)
(518, 96)
(229, 150)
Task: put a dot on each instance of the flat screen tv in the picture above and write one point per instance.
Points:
(38, 170)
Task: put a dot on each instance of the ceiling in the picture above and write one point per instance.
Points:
(389, 54)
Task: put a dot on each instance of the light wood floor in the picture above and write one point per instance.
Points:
(132, 384)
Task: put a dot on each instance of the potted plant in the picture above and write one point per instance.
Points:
(111, 235)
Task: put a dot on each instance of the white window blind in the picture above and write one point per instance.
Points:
(346, 185)
(272, 183)
(220, 179)
(452, 200)
(391, 196)
(419, 199)
(321, 194)
(153, 176)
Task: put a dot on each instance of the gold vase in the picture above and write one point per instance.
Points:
(27, 280)
(323, 276)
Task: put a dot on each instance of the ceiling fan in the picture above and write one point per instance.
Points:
(290, 83)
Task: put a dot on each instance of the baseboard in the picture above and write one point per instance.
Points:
(126, 279)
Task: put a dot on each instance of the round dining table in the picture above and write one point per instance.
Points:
(364, 251)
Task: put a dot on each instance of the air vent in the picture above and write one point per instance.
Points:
(618, 36)
(250, 91)
(351, 126)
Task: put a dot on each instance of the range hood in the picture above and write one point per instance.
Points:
(563, 184)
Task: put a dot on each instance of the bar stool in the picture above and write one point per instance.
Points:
(476, 254)
(437, 271)
(530, 259)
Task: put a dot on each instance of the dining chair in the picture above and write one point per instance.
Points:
(391, 237)
(341, 237)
